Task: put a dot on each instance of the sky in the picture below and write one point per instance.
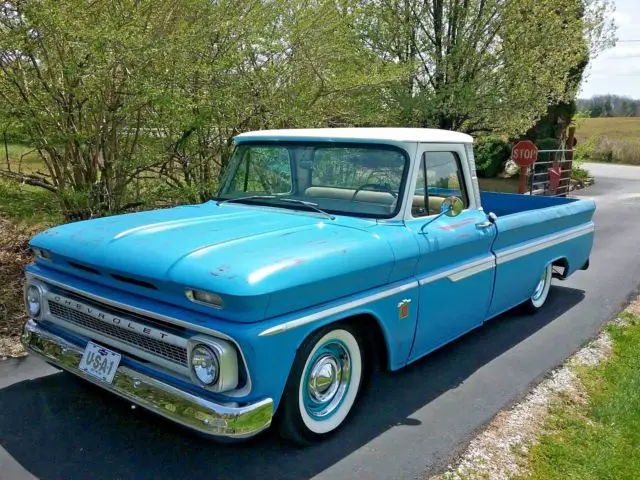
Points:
(617, 70)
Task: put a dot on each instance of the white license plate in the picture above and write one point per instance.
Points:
(99, 362)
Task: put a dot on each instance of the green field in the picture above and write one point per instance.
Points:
(617, 139)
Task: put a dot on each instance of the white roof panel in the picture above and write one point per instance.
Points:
(422, 135)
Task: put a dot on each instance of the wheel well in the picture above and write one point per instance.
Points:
(561, 263)
(374, 338)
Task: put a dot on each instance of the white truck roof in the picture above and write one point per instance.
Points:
(421, 135)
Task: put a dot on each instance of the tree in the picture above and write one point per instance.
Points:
(482, 65)
(154, 90)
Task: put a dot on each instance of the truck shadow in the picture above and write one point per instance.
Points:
(56, 427)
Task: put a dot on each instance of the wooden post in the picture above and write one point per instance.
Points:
(524, 176)
(565, 185)
(6, 150)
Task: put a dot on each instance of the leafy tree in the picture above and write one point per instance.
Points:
(482, 65)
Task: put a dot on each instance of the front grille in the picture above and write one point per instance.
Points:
(167, 351)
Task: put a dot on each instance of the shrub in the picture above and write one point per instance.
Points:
(491, 156)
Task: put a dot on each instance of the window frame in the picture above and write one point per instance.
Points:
(462, 180)
(230, 172)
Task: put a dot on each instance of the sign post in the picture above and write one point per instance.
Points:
(524, 154)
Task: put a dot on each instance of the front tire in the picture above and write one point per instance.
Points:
(541, 292)
(323, 384)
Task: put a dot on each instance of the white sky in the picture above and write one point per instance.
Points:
(617, 70)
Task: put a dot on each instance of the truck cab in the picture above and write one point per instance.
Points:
(325, 252)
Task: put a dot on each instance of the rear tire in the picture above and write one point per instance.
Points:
(541, 293)
(323, 384)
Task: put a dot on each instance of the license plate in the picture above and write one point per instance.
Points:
(99, 362)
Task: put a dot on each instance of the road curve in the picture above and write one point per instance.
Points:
(409, 424)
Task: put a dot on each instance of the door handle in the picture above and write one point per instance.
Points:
(486, 224)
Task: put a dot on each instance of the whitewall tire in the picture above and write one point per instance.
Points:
(323, 384)
(541, 292)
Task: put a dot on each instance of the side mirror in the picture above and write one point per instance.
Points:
(452, 206)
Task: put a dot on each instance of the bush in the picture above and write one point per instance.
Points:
(491, 156)
(548, 143)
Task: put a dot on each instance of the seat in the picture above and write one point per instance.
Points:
(367, 196)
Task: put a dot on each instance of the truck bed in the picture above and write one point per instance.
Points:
(531, 232)
(509, 203)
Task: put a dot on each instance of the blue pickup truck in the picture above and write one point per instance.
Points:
(327, 253)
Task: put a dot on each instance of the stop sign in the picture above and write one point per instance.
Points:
(524, 153)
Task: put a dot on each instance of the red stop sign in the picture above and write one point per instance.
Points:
(524, 153)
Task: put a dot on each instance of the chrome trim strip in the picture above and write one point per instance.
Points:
(140, 311)
(186, 409)
(283, 327)
(513, 253)
(460, 272)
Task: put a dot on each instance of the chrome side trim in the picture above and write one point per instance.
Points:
(460, 272)
(513, 253)
(184, 408)
(140, 311)
(337, 309)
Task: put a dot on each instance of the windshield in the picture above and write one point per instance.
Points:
(362, 180)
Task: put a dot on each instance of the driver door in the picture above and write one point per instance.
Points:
(456, 267)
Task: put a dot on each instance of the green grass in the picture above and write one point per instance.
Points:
(31, 161)
(504, 185)
(599, 439)
(618, 138)
(28, 205)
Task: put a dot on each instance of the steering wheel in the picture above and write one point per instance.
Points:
(376, 187)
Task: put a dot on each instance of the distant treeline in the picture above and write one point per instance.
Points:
(609, 106)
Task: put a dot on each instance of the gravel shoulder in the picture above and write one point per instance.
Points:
(500, 451)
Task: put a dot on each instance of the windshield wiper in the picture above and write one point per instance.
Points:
(250, 197)
(311, 205)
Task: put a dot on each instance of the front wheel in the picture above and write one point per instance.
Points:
(323, 384)
(541, 292)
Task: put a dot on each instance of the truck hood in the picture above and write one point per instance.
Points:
(262, 261)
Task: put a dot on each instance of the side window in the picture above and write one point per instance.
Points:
(263, 170)
(444, 178)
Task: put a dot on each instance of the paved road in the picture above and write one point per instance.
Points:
(410, 423)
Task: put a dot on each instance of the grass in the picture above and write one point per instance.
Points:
(504, 185)
(28, 205)
(600, 438)
(617, 139)
(31, 161)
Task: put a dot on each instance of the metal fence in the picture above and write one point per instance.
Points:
(551, 173)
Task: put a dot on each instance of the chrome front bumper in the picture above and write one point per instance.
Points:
(182, 407)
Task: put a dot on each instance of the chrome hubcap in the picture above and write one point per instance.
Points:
(324, 378)
(327, 379)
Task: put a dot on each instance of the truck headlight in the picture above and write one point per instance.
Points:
(205, 364)
(213, 363)
(33, 301)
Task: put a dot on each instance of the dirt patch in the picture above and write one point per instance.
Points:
(14, 256)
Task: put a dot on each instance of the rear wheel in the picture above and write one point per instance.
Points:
(541, 292)
(323, 384)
